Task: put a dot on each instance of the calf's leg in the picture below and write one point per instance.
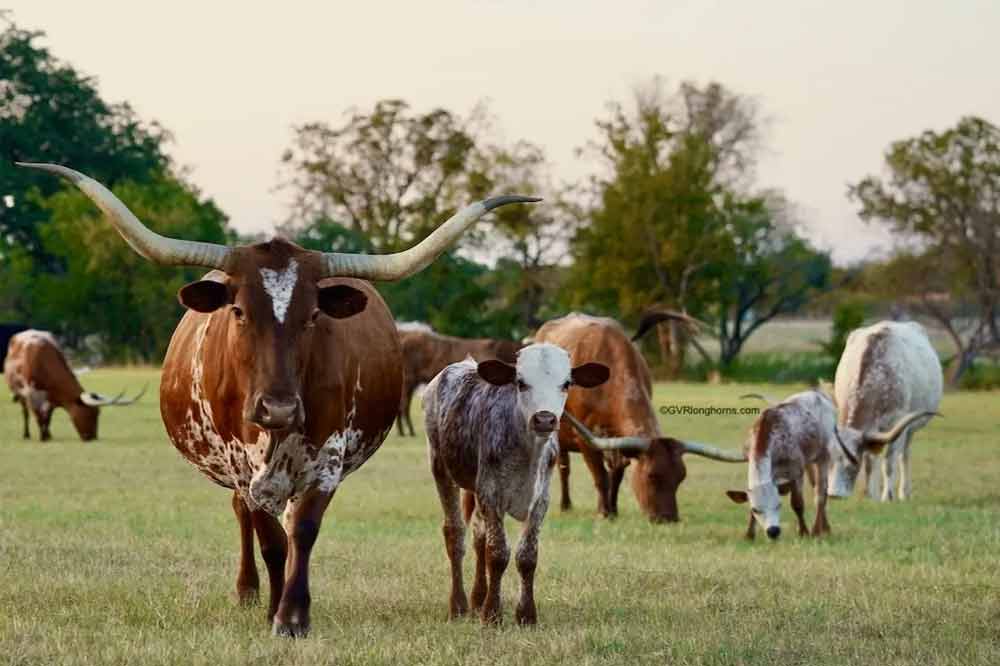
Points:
(497, 558)
(247, 582)
(799, 507)
(821, 525)
(453, 529)
(478, 595)
(527, 561)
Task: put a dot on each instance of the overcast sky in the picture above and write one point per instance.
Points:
(839, 80)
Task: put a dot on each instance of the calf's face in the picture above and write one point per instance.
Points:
(542, 376)
(765, 504)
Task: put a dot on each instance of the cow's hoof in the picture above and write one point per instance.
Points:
(248, 596)
(290, 629)
(526, 617)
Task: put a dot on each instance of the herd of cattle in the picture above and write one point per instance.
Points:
(287, 371)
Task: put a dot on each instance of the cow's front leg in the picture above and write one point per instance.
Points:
(595, 463)
(905, 478)
(752, 527)
(565, 503)
(247, 582)
(274, 552)
(889, 476)
(799, 507)
(527, 561)
(44, 418)
(497, 558)
(821, 525)
(615, 476)
(872, 476)
(292, 618)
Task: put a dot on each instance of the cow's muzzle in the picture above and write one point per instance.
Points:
(544, 423)
(272, 413)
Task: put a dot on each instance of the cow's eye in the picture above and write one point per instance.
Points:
(313, 318)
(238, 314)
(521, 386)
(565, 387)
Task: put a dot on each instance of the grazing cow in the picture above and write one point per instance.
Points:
(426, 353)
(282, 378)
(7, 331)
(623, 407)
(41, 380)
(490, 431)
(887, 370)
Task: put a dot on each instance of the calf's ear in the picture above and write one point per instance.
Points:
(590, 375)
(785, 488)
(497, 372)
(204, 296)
(737, 496)
(341, 301)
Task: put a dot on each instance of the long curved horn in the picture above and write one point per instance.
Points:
(390, 267)
(607, 443)
(897, 430)
(759, 396)
(95, 399)
(118, 402)
(154, 247)
(651, 319)
(847, 452)
(712, 452)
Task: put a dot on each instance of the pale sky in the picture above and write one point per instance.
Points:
(839, 80)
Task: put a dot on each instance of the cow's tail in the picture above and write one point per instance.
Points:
(468, 504)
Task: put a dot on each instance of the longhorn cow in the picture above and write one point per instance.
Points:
(282, 378)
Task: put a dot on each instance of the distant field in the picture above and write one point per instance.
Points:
(119, 552)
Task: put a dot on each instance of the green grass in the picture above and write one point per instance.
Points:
(119, 552)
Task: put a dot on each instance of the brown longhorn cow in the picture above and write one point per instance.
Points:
(426, 353)
(621, 411)
(282, 378)
(41, 380)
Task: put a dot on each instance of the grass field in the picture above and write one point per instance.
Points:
(119, 552)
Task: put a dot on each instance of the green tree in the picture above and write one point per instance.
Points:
(105, 288)
(390, 175)
(941, 193)
(50, 112)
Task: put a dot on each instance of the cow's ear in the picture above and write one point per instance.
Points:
(341, 301)
(590, 375)
(737, 496)
(497, 372)
(204, 296)
(785, 488)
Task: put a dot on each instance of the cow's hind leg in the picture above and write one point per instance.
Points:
(799, 507)
(527, 561)
(453, 529)
(565, 504)
(292, 616)
(274, 552)
(247, 582)
(27, 415)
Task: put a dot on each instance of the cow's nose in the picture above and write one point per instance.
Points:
(544, 422)
(773, 532)
(273, 413)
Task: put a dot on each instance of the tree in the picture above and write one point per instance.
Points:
(106, 288)
(942, 193)
(49, 112)
(390, 175)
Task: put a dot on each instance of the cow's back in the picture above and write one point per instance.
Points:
(887, 369)
(620, 407)
(34, 360)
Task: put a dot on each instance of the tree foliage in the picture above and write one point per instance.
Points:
(942, 192)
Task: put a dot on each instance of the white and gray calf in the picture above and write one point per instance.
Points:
(888, 371)
(491, 432)
(788, 441)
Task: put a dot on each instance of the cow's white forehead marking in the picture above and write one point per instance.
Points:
(279, 285)
(543, 362)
